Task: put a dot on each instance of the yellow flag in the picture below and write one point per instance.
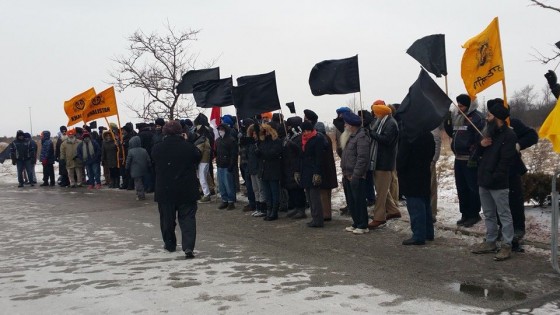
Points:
(551, 127)
(482, 63)
(74, 106)
(101, 105)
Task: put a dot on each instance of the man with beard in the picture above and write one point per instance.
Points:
(497, 151)
(340, 135)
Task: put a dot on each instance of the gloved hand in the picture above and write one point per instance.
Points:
(316, 180)
(297, 178)
(551, 78)
(471, 163)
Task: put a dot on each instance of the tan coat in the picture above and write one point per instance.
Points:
(68, 151)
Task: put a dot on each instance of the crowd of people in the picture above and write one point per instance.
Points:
(289, 165)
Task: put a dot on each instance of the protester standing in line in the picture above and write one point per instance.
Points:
(21, 153)
(269, 151)
(203, 145)
(328, 170)
(109, 158)
(226, 158)
(62, 172)
(47, 158)
(176, 162)
(89, 152)
(68, 157)
(313, 147)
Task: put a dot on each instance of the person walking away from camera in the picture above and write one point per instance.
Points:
(62, 172)
(464, 139)
(328, 171)
(314, 147)
(436, 133)
(68, 157)
(414, 159)
(269, 151)
(355, 163)
(21, 153)
(109, 158)
(226, 158)
(498, 153)
(90, 154)
(176, 162)
(203, 144)
(138, 163)
(385, 137)
(47, 158)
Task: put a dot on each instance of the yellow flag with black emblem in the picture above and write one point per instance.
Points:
(482, 63)
(101, 105)
(550, 128)
(75, 106)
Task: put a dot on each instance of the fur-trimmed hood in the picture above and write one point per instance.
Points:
(267, 129)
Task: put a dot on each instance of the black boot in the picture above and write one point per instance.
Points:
(273, 213)
(268, 212)
(300, 214)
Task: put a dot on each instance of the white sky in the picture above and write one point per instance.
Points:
(53, 50)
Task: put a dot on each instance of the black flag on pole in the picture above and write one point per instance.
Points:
(292, 107)
(193, 77)
(210, 93)
(340, 76)
(424, 107)
(429, 51)
(255, 94)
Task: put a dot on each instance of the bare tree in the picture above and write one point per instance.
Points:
(155, 64)
(556, 51)
(354, 104)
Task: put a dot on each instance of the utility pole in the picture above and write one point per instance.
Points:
(30, 122)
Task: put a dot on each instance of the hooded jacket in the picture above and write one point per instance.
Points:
(22, 149)
(47, 149)
(464, 137)
(138, 160)
(226, 150)
(270, 153)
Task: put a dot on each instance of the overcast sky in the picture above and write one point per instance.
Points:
(53, 50)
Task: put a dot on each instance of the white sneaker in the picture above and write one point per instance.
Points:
(254, 213)
(361, 231)
(349, 229)
(260, 214)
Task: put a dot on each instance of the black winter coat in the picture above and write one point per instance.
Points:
(497, 159)
(270, 152)
(226, 151)
(253, 162)
(413, 165)
(526, 137)
(328, 168)
(176, 161)
(291, 163)
(387, 141)
(464, 137)
(312, 159)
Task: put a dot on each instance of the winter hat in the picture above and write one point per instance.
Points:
(71, 132)
(227, 119)
(160, 122)
(63, 129)
(306, 126)
(464, 99)
(352, 119)
(277, 117)
(172, 127)
(294, 122)
(380, 110)
(379, 102)
(19, 133)
(320, 127)
(310, 115)
(247, 122)
(127, 128)
(496, 107)
(343, 109)
(79, 130)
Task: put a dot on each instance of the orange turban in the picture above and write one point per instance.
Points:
(379, 102)
(380, 110)
(267, 115)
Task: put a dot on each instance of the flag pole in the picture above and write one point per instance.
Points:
(446, 91)
(114, 140)
(282, 119)
(467, 118)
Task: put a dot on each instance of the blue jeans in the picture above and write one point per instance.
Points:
(226, 185)
(271, 192)
(28, 167)
(421, 224)
(356, 201)
(93, 173)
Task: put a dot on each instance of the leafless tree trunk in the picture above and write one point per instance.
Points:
(155, 65)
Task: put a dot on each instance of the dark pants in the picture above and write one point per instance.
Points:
(316, 205)
(186, 215)
(48, 172)
(516, 204)
(370, 187)
(297, 198)
(249, 186)
(139, 185)
(420, 212)
(115, 177)
(356, 202)
(27, 166)
(147, 182)
(63, 172)
(272, 193)
(467, 189)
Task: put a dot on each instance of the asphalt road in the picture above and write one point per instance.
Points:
(76, 251)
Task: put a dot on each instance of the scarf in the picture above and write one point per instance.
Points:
(307, 137)
(378, 126)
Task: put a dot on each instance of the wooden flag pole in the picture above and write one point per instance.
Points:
(467, 118)
(505, 97)
(446, 91)
(283, 123)
(114, 140)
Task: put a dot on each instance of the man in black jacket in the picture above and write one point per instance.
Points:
(226, 160)
(176, 192)
(497, 151)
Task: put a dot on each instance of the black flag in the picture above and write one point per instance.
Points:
(557, 45)
(335, 77)
(424, 107)
(255, 94)
(292, 107)
(5, 154)
(210, 93)
(429, 51)
(193, 77)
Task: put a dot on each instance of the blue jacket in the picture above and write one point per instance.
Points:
(47, 149)
(88, 158)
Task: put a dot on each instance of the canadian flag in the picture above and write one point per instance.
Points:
(215, 120)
